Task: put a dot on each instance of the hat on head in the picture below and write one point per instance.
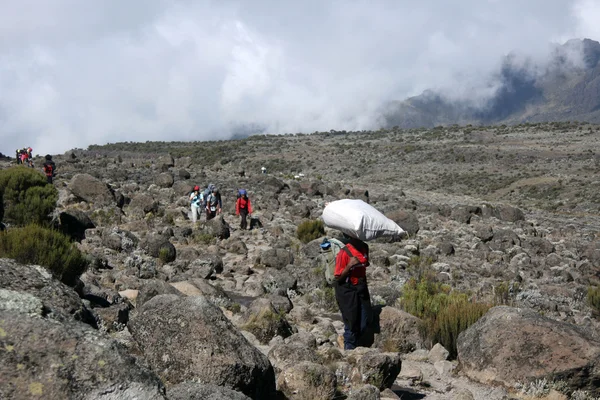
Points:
(48, 157)
(196, 187)
(242, 191)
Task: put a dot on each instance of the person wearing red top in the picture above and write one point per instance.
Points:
(243, 208)
(352, 293)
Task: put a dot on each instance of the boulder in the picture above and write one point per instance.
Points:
(189, 339)
(159, 246)
(406, 220)
(286, 355)
(47, 359)
(307, 380)
(379, 369)
(205, 267)
(217, 227)
(276, 258)
(537, 246)
(275, 281)
(73, 223)
(199, 391)
(165, 162)
(119, 240)
(398, 331)
(504, 239)
(142, 204)
(201, 287)
(92, 190)
(60, 301)
(264, 321)
(510, 345)
(365, 392)
(152, 288)
(164, 180)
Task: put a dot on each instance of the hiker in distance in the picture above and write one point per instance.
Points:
(49, 168)
(352, 293)
(213, 203)
(196, 203)
(243, 208)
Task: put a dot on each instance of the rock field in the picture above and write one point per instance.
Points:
(509, 215)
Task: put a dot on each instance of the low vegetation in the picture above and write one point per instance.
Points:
(445, 312)
(25, 197)
(310, 230)
(36, 245)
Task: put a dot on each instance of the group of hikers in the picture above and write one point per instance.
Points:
(209, 202)
(24, 156)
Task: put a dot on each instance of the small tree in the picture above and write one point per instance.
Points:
(25, 196)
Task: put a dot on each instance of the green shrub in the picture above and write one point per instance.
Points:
(593, 298)
(445, 312)
(310, 230)
(33, 244)
(26, 197)
(457, 315)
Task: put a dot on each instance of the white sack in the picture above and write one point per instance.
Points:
(360, 220)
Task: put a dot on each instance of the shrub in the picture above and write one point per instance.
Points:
(33, 244)
(310, 230)
(445, 313)
(26, 197)
(593, 298)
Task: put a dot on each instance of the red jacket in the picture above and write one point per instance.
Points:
(359, 271)
(242, 203)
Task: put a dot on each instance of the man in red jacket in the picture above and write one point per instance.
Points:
(352, 293)
(243, 207)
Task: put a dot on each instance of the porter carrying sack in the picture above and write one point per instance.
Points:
(359, 220)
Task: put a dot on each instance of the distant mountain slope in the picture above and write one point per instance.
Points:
(560, 90)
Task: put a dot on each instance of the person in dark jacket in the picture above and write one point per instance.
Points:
(213, 203)
(49, 169)
(243, 208)
(352, 293)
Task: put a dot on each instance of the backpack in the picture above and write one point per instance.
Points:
(48, 170)
(326, 259)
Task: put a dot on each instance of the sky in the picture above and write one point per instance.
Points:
(80, 72)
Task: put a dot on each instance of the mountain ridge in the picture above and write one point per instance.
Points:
(565, 88)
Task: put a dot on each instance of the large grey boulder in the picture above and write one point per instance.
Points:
(406, 220)
(73, 222)
(276, 258)
(92, 190)
(152, 288)
(158, 246)
(189, 339)
(307, 380)
(511, 345)
(164, 180)
(43, 358)
(60, 301)
(398, 331)
(285, 355)
(142, 204)
(199, 391)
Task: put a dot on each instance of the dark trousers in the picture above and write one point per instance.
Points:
(244, 215)
(49, 179)
(354, 302)
(210, 214)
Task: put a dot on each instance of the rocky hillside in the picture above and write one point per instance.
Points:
(508, 216)
(566, 88)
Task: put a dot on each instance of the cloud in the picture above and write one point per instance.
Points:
(75, 74)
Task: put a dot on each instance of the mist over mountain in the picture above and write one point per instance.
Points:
(566, 87)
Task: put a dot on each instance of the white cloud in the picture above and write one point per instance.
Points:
(76, 73)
